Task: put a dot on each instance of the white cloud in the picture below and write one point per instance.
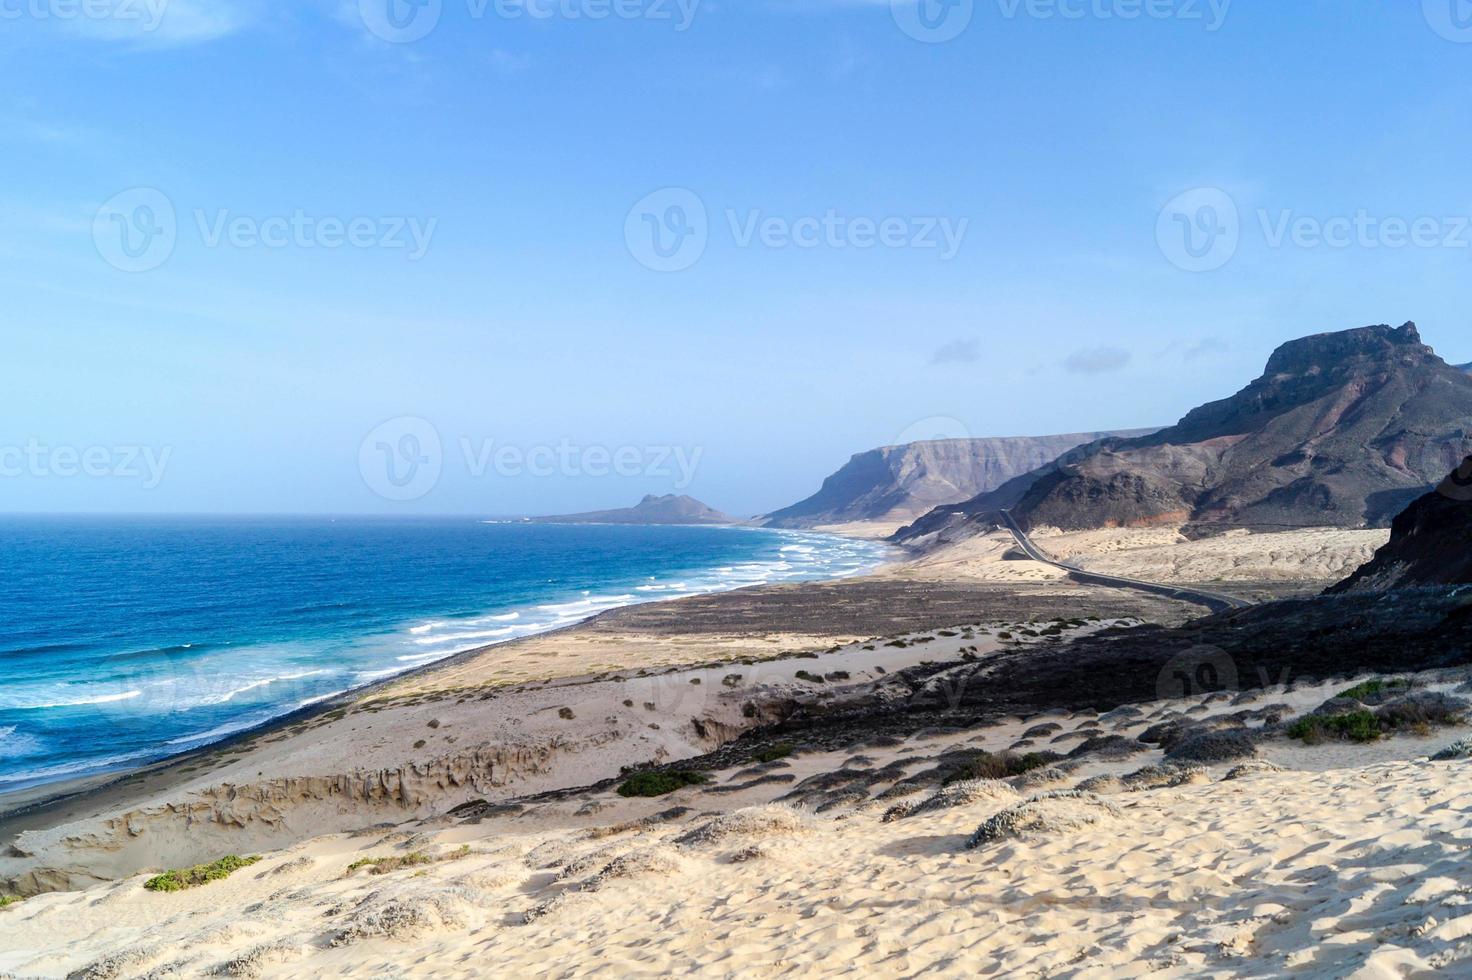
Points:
(158, 23)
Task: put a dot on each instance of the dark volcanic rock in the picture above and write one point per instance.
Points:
(1430, 542)
(1342, 430)
(1292, 641)
(1230, 745)
(1108, 747)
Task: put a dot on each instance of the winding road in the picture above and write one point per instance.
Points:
(1215, 601)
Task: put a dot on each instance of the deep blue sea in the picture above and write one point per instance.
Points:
(126, 640)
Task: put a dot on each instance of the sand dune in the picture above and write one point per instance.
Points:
(1348, 861)
(1159, 555)
(1113, 858)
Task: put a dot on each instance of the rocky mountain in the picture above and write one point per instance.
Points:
(668, 509)
(1342, 429)
(900, 483)
(1430, 542)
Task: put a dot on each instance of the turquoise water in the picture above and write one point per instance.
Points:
(126, 640)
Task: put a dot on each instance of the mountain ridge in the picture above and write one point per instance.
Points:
(1342, 429)
(904, 481)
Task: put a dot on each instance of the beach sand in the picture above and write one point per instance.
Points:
(1347, 861)
(1315, 557)
(1332, 866)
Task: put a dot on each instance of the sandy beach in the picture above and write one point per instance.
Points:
(801, 862)
(1315, 862)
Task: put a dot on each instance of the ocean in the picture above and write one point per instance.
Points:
(125, 640)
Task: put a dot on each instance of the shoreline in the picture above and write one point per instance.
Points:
(808, 821)
(17, 803)
(648, 684)
(351, 765)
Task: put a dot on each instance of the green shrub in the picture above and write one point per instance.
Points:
(8, 900)
(660, 783)
(1352, 726)
(383, 865)
(1371, 688)
(200, 874)
(773, 752)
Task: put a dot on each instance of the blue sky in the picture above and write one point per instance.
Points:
(884, 236)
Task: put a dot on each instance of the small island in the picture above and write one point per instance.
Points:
(668, 509)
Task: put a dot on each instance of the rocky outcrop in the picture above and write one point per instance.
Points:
(669, 509)
(1341, 430)
(1430, 542)
(900, 483)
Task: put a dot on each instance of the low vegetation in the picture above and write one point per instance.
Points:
(201, 874)
(8, 900)
(773, 752)
(1417, 712)
(1370, 689)
(986, 765)
(660, 783)
(414, 859)
(1351, 726)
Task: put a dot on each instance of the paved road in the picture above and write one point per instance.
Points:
(1215, 601)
